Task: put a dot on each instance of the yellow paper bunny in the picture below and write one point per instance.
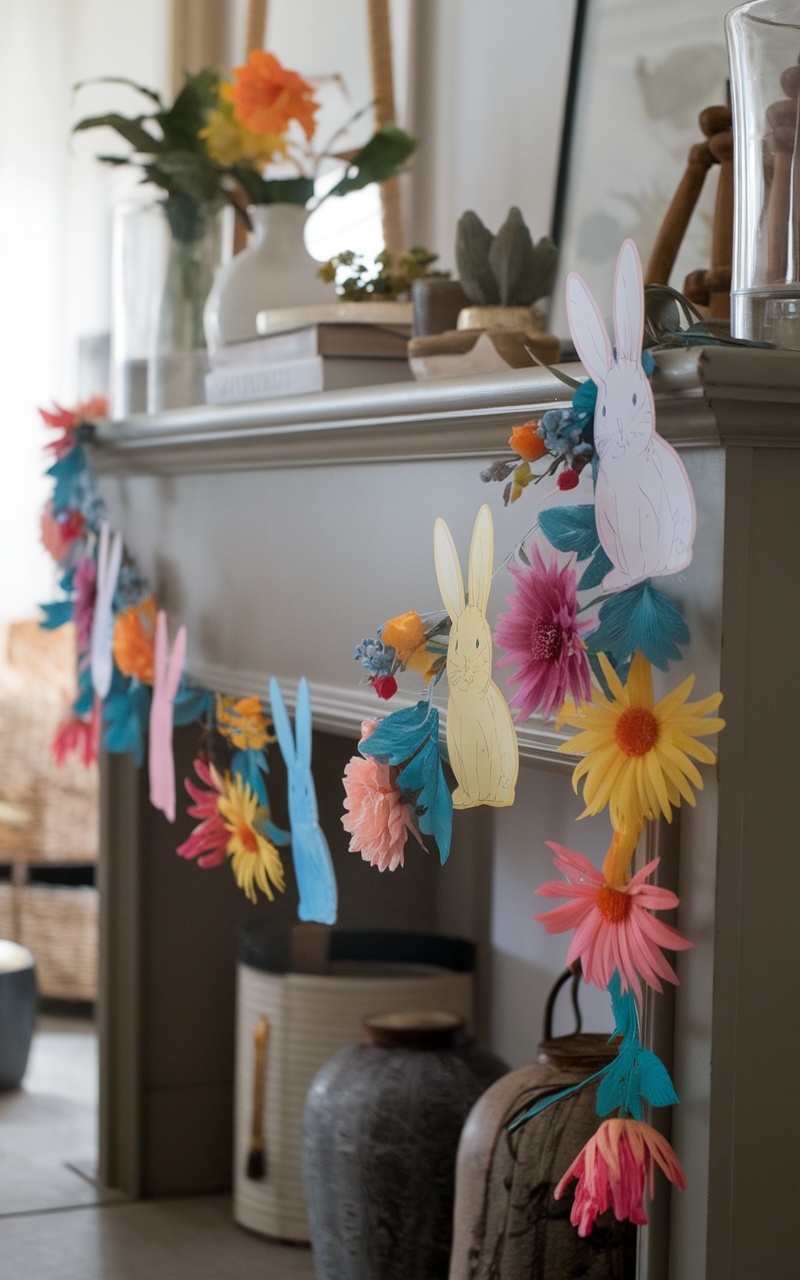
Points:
(481, 738)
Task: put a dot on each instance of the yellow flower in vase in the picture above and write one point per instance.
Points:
(255, 859)
(638, 754)
(229, 141)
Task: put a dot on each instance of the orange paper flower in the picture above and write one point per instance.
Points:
(266, 96)
(243, 722)
(405, 634)
(134, 640)
(525, 441)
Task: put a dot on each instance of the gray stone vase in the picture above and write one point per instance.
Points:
(381, 1130)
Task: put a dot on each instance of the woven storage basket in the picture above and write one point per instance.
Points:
(8, 913)
(59, 925)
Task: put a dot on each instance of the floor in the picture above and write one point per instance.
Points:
(56, 1225)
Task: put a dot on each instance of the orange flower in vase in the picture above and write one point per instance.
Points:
(266, 97)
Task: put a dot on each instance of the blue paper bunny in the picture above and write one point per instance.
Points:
(310, 853)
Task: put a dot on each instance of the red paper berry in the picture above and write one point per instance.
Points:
(385, 687)
(568, 479)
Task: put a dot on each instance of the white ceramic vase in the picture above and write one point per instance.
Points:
(275, 270)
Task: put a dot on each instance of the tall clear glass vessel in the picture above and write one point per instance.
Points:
(764, 48)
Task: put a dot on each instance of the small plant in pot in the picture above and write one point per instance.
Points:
(503, 275)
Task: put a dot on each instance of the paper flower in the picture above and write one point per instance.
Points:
(209, 840)
(60, 531)
(384, 686)
(378, 818)
(637, 753)
(407, 636)
(376, 658)
(77, 736)
(256, 861)
(542, 638)
(243, 723)
(611, 1172)
(134, 640)
(85, 583)
(266, 97)
(527, 442)
(614, 928)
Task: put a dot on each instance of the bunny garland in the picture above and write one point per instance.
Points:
(141, 692)
(638, 753)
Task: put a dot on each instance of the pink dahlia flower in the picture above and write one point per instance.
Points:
(613, 926)
(378, 818)
(209, 840)
(611, 1170)
(542, 638)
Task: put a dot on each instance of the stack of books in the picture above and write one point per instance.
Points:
(326, 356)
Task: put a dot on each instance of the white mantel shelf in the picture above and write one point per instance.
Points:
(704, 395)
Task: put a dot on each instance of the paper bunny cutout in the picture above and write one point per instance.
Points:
(481, 738)
(644, 505)
(310, 853)
(166, 680)
(109, 559)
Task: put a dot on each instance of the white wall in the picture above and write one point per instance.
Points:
(54, 236)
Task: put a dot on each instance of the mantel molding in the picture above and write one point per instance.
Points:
(439, 420)
(341, 709)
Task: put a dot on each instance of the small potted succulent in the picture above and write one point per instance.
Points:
(503, 275)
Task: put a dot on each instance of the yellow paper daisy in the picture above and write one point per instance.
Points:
(638, 756)
(256, 861)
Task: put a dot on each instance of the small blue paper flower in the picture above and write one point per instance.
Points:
(375, 657)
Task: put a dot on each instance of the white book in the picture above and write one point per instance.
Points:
(300, 377)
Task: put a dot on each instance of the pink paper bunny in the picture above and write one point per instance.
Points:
(643, 500)
(166, 679)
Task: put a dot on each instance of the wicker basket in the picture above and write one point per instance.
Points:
(8, 913)
(59, 925)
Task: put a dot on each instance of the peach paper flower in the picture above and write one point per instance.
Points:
(614, 927)
(611, 1171)
(378, 818)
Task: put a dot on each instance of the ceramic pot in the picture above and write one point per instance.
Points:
(275, 270)
(507, 1224)
(380, 1134)
(17, 1011)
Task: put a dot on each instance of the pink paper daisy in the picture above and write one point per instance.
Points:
(613, 926)
(611, 1172)
(83, 604)
(78, 736)
(210, 837)
(542, 638)
(378, 818)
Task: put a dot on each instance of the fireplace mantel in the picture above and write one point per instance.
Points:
(281, 532)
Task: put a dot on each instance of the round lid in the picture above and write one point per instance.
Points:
(13, 957)
(582, 1050)
(418, 1029)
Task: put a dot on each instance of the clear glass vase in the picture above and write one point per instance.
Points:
(764, 49)
(137, 276)
(179, 359)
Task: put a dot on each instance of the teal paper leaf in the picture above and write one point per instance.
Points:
(56, 614)
(571, 529)
(414, 732)
(126, 715)
(191, 703)
(640, 618)
(595, 571)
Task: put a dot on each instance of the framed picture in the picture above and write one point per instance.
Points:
(642, 71)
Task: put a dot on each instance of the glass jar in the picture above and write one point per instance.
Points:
(764, 48)
(137, 277)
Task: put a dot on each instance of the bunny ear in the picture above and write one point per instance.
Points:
(160, 649)
(587, 329)
(448, 570)
(481, 554)
(175, 666)
(102, 551)
(629, 304)
(281, 722)
(302, 724)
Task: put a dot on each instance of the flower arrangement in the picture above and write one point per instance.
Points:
(244, 140)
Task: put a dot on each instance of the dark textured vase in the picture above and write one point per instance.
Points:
(507, 1223)
(381, 1130)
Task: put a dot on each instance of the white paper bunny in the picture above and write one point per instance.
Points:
(311, 856)
(167, 671)
(109, 559)
(481, 738)
(644, 506)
